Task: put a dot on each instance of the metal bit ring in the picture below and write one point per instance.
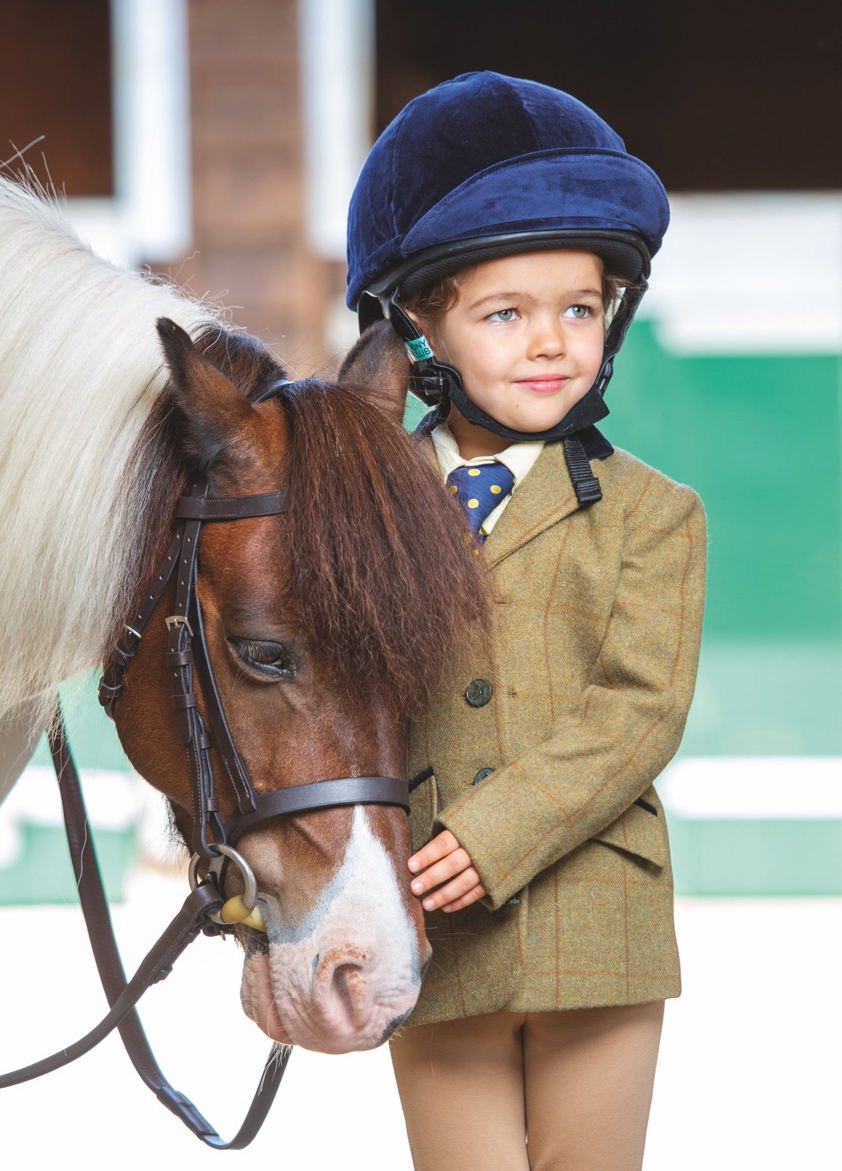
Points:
(249, 895)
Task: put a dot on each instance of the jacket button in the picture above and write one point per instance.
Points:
(478, 692)
(481, 775)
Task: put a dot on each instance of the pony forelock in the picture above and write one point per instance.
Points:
(385, 577)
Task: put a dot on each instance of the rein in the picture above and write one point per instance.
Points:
(196, 916)
(187, 655)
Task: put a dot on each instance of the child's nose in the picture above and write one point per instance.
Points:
(547, 338)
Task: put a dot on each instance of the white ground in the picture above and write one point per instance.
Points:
(749, 1076)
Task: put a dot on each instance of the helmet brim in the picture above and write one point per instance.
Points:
(623, 254)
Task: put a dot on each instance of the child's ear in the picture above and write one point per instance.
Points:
(377, 367)
(414, 317)
(424, 325)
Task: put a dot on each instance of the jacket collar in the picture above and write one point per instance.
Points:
(546, 497)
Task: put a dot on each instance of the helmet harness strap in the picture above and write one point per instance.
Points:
(439, 384)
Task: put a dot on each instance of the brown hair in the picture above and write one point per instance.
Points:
(431, 303)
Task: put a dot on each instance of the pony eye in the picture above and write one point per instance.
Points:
(272, 660)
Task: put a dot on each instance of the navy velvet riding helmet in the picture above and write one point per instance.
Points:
(484, 166)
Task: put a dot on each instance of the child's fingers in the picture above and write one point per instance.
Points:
(445, 875)
(454, 891)
(440, 872)
(473, 896)
(439, 847)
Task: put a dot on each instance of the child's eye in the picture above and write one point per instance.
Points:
(579, 312)
(503, 315)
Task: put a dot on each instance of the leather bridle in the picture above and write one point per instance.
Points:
(188, 654)
(188, 659)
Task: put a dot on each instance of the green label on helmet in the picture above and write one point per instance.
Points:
(418, 349)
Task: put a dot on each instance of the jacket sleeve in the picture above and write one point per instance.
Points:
(606, 750)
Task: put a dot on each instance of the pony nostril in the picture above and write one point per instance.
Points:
(348, 982)
(345, 984)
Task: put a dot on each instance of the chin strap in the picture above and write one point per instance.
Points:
(585, 483)
(438, 384)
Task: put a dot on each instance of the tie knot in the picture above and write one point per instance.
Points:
(479, 489)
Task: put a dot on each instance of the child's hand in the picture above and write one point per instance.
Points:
(444, 868)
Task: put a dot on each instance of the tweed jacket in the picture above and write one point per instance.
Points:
(545, 738)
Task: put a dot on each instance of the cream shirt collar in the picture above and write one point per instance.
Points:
(518, 458)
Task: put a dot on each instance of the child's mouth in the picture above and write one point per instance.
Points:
(548, 384)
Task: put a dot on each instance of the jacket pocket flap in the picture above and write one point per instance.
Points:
(641, 831)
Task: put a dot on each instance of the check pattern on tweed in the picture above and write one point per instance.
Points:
(589, 673)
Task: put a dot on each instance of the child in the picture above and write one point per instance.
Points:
(505, 232)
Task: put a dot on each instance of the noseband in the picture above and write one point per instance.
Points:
(188, 654)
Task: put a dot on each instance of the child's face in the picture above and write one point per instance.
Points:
(527, 336)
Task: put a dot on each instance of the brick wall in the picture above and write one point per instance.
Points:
(249, 237)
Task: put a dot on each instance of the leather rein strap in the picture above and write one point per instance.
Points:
(194, 917)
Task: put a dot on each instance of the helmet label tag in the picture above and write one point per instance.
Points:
(418, 349)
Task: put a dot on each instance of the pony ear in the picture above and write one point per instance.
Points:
(216, 415)
(377, 367)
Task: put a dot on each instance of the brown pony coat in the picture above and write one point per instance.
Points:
(384, 579)
(356, 595)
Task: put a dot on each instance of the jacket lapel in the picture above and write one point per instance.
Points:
(544, 498)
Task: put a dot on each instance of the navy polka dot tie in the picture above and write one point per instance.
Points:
(479, 489)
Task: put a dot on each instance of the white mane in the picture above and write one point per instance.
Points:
(80, 370)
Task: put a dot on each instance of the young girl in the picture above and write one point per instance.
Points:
(505, 232)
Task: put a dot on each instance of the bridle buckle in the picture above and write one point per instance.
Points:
(175, 620)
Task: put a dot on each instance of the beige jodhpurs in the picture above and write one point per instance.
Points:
(558, 1091)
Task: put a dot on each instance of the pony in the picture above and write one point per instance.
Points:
(327, 622)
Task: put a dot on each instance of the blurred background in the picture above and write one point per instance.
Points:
(216, 142)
